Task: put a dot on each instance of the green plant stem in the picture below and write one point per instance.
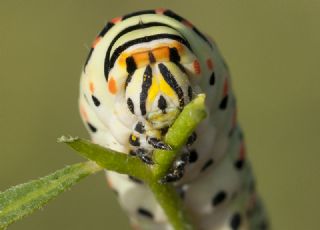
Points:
(178, 134)
(172, 205)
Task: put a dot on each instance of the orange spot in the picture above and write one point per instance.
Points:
(187, 23)
(91, 86)
(83, 113)
(96, 41)
(210, 64)
(242, 151)
(225, 87)
(112, 86)
(160, 10)
(141, 59)
(116, 20)
(161, 53)
(196, 67)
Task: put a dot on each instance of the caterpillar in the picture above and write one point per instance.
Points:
(141, 71)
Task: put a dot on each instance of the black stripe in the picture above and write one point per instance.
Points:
(202, 36)
(130, 105)
(152, 59)
(170, 79)
(128, 80)
(91, 127)
(145, 213)
(126, 45)
(190, 93)
(101, 34)
(107, 27)
(95, 101)
(138, 13)
(173, 15)
(206, 165)
(147, 81)
(125, 31)
(87, 60)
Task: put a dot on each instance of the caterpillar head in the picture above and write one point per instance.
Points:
(157, 85)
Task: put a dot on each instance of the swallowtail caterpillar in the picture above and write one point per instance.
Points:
(142, 69)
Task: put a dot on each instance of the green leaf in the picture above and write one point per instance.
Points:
(24, 199)
(109, 159)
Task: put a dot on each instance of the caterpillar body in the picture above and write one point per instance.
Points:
(142, 69)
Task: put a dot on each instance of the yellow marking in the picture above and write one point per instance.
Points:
(122, 60)
(153, 91)
(165, 88)
(134, 138)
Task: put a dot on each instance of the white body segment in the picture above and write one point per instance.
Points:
(142, 70)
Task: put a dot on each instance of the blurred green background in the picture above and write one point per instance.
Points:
(272, 48)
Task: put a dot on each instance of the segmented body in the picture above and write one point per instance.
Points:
(142, 70)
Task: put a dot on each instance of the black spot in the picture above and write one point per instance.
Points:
(207, 165)
(193, 157)
(136, 180)
(164, 130)
(134, 141)
(131, 65)
(91, 127)
(190, 92)
(139, 127)
(162, 103)
(239, 164)
(130, 105)
(174, 55)
(235, 221)
(212, 79)
(224, 103)
(192, 138)
(95, 101)
(152, 59)
(145, 213)
(219, 198)
(132, 153)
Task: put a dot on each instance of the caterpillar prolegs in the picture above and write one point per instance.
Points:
(142, 69)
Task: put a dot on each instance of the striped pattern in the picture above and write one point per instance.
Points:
(142, 69)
